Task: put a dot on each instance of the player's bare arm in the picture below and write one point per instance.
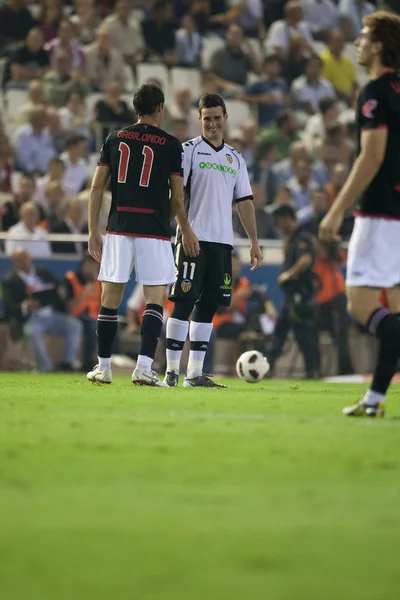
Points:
(99, 183)
(366, 166)
(247, 216)
(190, 242)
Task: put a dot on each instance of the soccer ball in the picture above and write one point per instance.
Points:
(252, 366)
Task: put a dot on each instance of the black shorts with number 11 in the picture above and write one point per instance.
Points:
(207, 276)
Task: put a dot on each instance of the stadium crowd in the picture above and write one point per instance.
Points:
(286, 70)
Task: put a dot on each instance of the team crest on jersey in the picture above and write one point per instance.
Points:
(229, 158)
(368, 108)
(186, 285)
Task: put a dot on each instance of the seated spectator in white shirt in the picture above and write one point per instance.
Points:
(66, 41)
(105, 63)
(74, 116)
(72, 222)
(126, 33)
(27, 234)
(321, 16)
(35, 98)
(281, 32)
(76, 169)
(309, 89)
(33, 144)
(55, 173)
(352, 13)
(85, 20)
(188, 43)
(317, 124)
(301, 185)
(182, 108)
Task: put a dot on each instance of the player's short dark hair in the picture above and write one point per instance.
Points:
(147, 99)
(285, 211)
(212, 101)
(385, 28)
(74, 140)
(326, 104)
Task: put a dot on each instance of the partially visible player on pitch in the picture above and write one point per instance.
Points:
(373, 260)
(145, 166)
(215, 174)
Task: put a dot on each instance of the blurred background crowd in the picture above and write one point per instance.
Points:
(287, 71)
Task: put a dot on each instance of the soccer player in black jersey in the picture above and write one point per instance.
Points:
(145, 166)
(374, 251)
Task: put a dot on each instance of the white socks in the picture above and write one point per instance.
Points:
(104, 364)
(177, 332)
(373, 398)
(199, 335)
(144, 363)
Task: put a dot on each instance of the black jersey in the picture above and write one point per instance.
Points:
(141, 159)
(378, 108)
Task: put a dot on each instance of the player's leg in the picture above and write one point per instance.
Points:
(217, 291)
(115, 270)
(184, 293)
(154, 265)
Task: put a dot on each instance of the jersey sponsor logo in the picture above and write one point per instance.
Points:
(204, 153)
(368, 108)
(186, 284)
(221, 168)
(227, 282)
(229, 158)
(142, 137)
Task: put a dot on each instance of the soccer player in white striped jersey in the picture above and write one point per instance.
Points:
(215, 175)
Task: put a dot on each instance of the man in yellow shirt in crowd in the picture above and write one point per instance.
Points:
(338, 69)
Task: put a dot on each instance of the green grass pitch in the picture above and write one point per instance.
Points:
(259, 492)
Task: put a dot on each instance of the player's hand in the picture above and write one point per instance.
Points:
(95, 245)
(329, 227)
(283, 277)
(256, 257)
(190, 243)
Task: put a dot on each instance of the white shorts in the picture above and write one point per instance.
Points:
(152, 258)
(374, 253)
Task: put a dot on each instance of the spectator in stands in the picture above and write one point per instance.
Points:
(251, 17)
(33, 144)
(339, 175)
(55, 201)
(232, 63)
(309, 89)
(302, 185)
(67, 42)
(352, 13)
(265, 156)
(295, 64)
(104, 62)
(338, 69)
(74, 117)
(283, 197)
(36, 98)
(27, 234)
(55, 173)
(316, 125)
(281, 32)
(34, 308)
(6, 154)
(284, 169)
(179, 128)
(159, 34)
(183, 108)
(332, 303)
(72, 222)
(30, 61)
(60, 81)
(83, 298)
(200, 12)
(320, 16)
(85, 21)
(125, 33)
(327, 156)
(49, 18)
(59, 135)
(336, 135)
(269, 94)
(15, 22)
(312, 214)
(76, 170)
(285, 132)
(266, 229)
(111, 112)
(10, 209)
(188, 43)
(250, 139)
